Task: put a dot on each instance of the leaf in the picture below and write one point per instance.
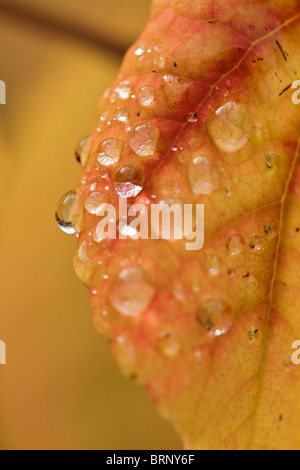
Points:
(203, 108)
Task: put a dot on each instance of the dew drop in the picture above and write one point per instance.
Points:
(168, 345)
(140, 50)
(251, 283)
(66, 212)
(131, 294)
(122, 114)
(235, 245)
(123, 90)
(129, 181)
(192, 117)
(212, 264)
(252, 333)
(226, 129)
(144, 141)
(271, 230)
(214, 316)
(146, 96)
(272, 160)
(81, 150)
(257, 243)
(95, 203)
(110, 151)
(203, 178)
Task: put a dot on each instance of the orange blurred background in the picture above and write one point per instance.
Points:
(60, 388)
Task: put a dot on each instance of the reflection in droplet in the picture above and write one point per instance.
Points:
(169, 345)
(226, 129)
(271, 230)
(129, 181)
(202, 177)
(81, 150)
(66, 212)
(109, 152)
(146, 96)
(123, 90)
(131, 294)
(140, 50)
(235, 245)
(95, 203)
(214, 315)
(144, 140)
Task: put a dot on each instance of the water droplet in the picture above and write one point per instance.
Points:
(271, 230)
(146, 96)
(212, 264)
(202, 177)
(272, 160)
(226, 129)
(66, 212)
(123, 90)
(110, 151)
(161, 62)
(82, 150)
(251, 283)
(252, 333)
(214, 316)
(257, 243)
(168, 345)
(129, 181)
(144, 141)
(122, 114)
(235, 245)
(140, 50)
(192, 117)
(131, 294)
(95, 203)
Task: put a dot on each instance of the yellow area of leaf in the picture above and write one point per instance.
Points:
(235, 61)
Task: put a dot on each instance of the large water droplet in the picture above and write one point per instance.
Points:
(66, 212)
(131, 294)
(235, 245)
(226, 129)
(129, 181)
(146, 96)
(214, 316)
(81, 150)
(110, 151)
(144, 141)
(169, 345)
(95, 203)
(202, 177)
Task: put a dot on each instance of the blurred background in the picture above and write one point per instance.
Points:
(60, 388)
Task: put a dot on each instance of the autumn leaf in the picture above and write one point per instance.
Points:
(202, 113)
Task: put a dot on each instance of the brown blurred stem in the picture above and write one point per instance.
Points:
(56, 26)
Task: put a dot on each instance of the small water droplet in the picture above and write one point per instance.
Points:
(81, 150)
(212, 264)
(272, 161)
(129, 181)
(192, 117)
(214, 316)
(226, 129)
(202, 177)
(131, 294)
(140, 50)
(95, 203)
(66, 212)
(144, 141)
(161, 62)
(252, 333)
(251, 283)
(146, 96)
(235, 245)
(271, 230)
(122, 114)
(257, 243)
(169, 345)
(123, 90)
(110, 151)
